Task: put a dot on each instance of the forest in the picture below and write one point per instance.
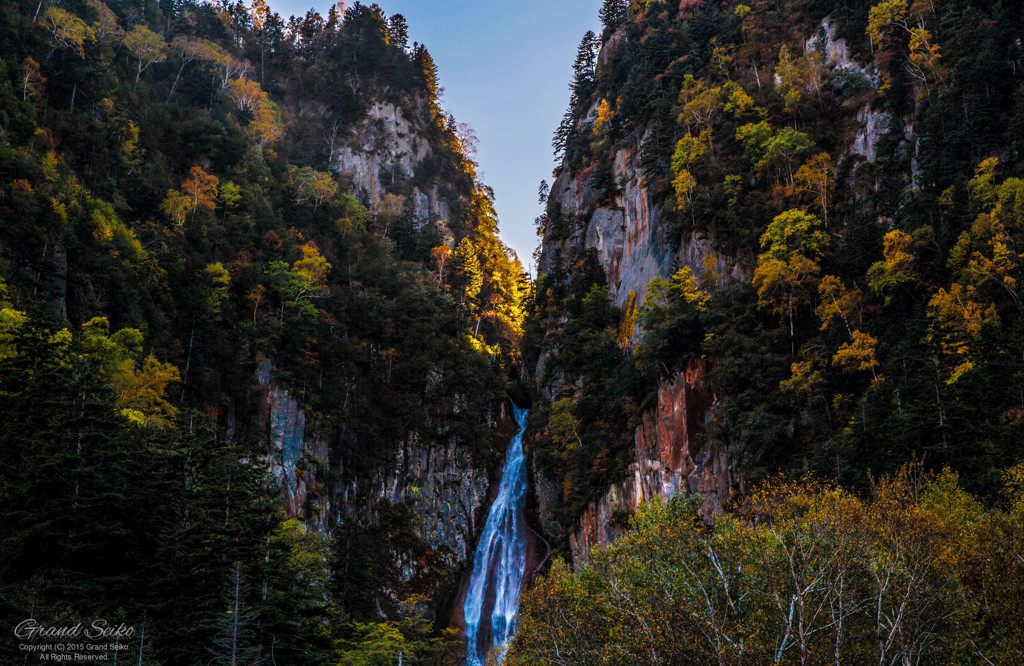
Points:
(174, 238)
(260, 337)
(842, 181)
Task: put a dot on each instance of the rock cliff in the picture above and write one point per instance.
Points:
(386, 146)
(622, 221)
(671, 454)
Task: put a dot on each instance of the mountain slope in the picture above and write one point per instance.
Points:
(258, 257)
(822, 194)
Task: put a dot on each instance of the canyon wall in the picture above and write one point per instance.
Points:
(622, 222)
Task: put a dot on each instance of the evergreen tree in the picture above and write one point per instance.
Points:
(467, 277)
(234, 643)
(398, 32)
(582, 88)
(613, 13)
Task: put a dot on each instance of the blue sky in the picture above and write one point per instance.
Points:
(505, 68)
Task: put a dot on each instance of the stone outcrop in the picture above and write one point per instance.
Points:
(835, 51)
(297, 458)
(630, 243)
(387, 142)
(444, 487)
(874, 125)
(671, 455)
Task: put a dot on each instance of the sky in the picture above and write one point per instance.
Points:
(505, 68)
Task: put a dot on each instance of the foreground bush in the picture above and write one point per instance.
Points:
(919, 572)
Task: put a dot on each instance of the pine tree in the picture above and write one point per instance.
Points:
(398, 32)
(428, 70)
(582, 89)
(234, 645)
(583, 70)
(613, 13)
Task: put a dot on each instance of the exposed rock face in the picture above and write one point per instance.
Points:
(835, 50)
(445, 488)
(671, 455)
(386, 140)
(633, 248)
(875, 126)
(297, 459)
(630, 243)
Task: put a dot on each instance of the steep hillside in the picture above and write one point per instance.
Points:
(777, 338)
(781, 237)
(256, 328)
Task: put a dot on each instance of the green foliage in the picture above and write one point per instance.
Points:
(670, 317)
(882, 319)
(804, 573)
(175, 226)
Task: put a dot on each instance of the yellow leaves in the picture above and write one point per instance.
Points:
(198, 192)
(883, 17)
(627, 326)
(176, 206)
(689, 150)
(563, 426)
(31, 80)
(837, 302)
(924, 55)
(387, 210)
(218, 281)
(684, 184)
(957, 321)
(266, 124)
(985, 255)
(244, 94)
(106, 27)
(604, 116)
(858, 354)
(1013, 482)
(804, 557)
(772, 151)
(797, 75)
(439, 256)
(139, 392)
(794, 232)
(792, 244)
(201, 189)
(11, 321)
(312, 185)
(312, 264)
(49, 166)
(681, 288)
(738, 101)
(700, 104)
(814, 183)
(147, 46)
(982, 185)
(897, 267)
(804, 377)
(67, 31)
(956, 308)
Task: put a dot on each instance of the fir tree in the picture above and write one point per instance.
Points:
(613, 13)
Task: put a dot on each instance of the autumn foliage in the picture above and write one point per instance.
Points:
(917, 571)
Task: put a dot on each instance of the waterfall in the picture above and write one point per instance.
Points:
(500, 557)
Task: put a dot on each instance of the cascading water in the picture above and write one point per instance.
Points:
(500, 559)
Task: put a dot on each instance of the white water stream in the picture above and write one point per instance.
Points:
(500, 558)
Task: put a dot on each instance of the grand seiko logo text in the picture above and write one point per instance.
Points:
(33, 630)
